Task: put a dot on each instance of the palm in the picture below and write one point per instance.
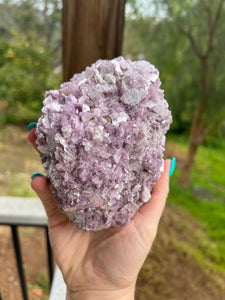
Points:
(114, 256)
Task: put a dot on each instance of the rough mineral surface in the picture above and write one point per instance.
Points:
(101, 137)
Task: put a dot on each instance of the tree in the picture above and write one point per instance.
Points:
(39, 18)
(30, 50)
(92, 29)
(153, 36)
(25, 74)
(205, 40)
(185, 40)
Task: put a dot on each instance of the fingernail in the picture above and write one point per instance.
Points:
(35, 174)
(172, 166)
(31, 125)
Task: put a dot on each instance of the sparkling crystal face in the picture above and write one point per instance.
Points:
(101, 137)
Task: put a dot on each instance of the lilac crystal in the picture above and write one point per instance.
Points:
(101, 138)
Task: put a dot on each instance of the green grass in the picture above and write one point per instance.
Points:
(204, 198)
(19, 185)
(18, 161)
(41, 283)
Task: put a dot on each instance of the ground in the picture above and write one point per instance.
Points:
(34, 259)
(170, 272)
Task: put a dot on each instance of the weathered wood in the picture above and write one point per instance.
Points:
(92, 29)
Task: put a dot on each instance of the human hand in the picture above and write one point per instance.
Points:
(102, 265)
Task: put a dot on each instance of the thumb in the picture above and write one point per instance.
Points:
(148, 216)
(40, 185)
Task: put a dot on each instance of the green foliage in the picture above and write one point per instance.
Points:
(25, 75)
(43, 283)
(28, 55)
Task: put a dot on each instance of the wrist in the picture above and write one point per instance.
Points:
(124, 294)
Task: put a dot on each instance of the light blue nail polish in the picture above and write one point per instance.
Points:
(172, 166)
(35, 174)
(31, 125)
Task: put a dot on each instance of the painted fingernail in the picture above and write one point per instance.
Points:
(35, 174)
(31, 125)
(172, 166)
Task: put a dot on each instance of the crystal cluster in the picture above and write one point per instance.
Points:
(101, 137)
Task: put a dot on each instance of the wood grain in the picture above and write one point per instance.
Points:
(92, 29)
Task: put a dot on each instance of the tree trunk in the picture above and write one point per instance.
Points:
(92, 29)
(188, 165)
(197, 134)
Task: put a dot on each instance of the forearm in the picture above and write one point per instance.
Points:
(126, 294)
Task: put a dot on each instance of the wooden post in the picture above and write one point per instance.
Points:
(92, 29)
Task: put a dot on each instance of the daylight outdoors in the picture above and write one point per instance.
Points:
(184, 39)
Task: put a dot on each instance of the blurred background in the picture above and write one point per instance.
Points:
(185, 41)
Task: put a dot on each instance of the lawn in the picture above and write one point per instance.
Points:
(18, 162)
(204, 198)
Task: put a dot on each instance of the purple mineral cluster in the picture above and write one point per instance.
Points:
(101, 137)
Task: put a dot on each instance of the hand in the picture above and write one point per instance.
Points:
(103, 264)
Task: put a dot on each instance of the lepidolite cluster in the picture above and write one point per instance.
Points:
(101, 137)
